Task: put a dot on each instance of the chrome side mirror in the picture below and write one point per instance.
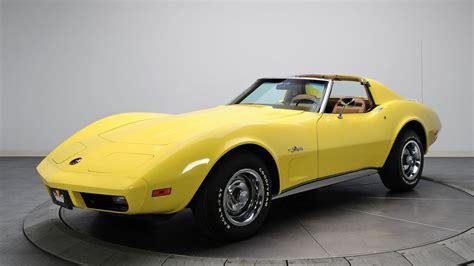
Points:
(344, 104)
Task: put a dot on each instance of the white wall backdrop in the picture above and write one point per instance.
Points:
(472, 75)
(1, 83)
(68, 63)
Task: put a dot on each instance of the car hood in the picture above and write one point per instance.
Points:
(172, 128)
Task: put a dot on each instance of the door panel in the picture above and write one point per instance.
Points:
(356, 141)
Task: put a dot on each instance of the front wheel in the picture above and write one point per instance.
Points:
(236, 198)
(404, 165)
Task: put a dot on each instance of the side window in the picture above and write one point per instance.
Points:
(349, 97)
(347, 89)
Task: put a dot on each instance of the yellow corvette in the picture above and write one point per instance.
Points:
(280, 137)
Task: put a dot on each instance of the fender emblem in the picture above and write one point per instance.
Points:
(75, 161)
(295, 148)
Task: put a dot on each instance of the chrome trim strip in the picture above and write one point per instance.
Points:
(323, 182)
(322, 106)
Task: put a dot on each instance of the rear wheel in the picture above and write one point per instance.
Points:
(236, 198)
(404, 165)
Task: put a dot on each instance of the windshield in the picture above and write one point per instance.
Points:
(298, 94)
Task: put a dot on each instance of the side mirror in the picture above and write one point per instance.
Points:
(345, 102)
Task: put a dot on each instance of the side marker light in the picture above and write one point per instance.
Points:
(161, 192)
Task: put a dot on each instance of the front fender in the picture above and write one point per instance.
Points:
(184, 167)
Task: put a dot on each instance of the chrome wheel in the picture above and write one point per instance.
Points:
(411, 160)
(243, 197)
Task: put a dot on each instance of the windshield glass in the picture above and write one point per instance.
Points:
(298, 94)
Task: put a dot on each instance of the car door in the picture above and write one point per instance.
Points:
(350, 137)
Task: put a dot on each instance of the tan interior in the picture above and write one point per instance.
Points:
(357, 106)
(332, 108)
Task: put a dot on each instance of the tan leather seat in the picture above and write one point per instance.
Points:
(358, 106)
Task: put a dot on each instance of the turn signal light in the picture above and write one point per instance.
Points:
(161, 192)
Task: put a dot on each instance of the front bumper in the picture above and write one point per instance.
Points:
(133, 189)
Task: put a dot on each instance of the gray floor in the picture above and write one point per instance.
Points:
(453, 171)
(352, 218)
(21, 191)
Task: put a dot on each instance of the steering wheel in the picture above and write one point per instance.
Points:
(304, 99)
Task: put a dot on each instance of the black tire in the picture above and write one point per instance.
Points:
(209, 210)
(393, 174)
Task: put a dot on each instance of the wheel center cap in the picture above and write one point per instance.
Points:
(243, 196)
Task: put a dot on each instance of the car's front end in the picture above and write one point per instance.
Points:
(148, 163)
(98, 174)
(99, 169)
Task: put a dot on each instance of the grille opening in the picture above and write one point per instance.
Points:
(104, 202)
